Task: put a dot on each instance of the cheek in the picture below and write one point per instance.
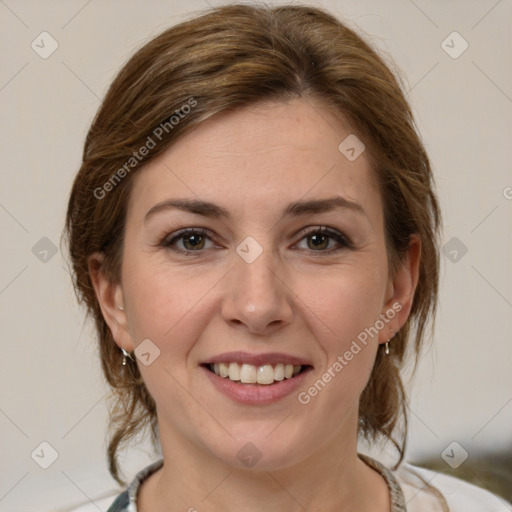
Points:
(345, 302)
(343, 311)
(166, 303)
(351, 306)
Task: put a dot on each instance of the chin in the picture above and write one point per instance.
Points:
(266, 450)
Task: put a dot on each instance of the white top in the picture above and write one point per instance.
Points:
(423, 490)
(460, 496)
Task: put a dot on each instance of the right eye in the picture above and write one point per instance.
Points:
(192, 240)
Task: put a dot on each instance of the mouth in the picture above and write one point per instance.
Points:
(256, 379)
(263, 374)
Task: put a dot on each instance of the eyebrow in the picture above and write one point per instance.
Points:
(295, 209)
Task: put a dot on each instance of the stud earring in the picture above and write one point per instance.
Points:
(120, 307)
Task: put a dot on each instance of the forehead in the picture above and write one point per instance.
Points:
(259, 157)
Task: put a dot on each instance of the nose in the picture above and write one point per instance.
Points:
(257, 297)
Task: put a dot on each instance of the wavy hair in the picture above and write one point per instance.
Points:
(224, 59)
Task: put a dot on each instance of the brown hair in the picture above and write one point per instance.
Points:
(230, 57)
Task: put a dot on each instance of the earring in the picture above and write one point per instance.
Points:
(386, 350)
(126, 355)
(120, 307)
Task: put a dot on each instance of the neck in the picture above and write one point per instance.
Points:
(192, 479)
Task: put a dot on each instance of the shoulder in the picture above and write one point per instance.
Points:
(424, 490)
(111, 503)
(127, 500)
(120, 504)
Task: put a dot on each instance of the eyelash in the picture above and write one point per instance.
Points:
(169, 241)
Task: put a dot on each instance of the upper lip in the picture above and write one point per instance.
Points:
(258, 359)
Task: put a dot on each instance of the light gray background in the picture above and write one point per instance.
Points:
(51, 388)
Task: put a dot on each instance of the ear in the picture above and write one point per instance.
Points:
(400, 291)
(110, 299)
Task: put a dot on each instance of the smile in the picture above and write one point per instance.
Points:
(265, 374)
(256, 379)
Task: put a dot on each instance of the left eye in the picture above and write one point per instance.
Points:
(320, 239)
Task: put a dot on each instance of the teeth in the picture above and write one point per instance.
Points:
(250, 374)
(265, 374)
(223, 370)
(234, 371)
(279, 372)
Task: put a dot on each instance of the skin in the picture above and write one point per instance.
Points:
(294, 298)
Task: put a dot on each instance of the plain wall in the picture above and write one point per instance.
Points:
(51, 388)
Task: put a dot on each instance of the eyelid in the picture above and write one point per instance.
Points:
(171, 238)
(343, 241)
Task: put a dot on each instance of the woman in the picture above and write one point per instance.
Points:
(255, 232)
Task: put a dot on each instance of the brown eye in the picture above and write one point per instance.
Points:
(320, 240)
(187, 241)
(192, 242)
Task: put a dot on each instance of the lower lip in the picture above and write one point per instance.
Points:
(256, 394)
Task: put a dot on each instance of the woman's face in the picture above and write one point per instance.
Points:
(256, 282)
